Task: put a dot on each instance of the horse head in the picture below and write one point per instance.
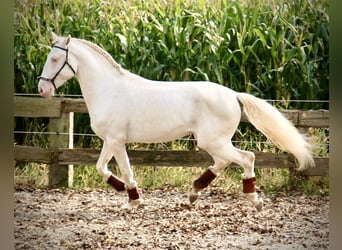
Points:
(55, 73)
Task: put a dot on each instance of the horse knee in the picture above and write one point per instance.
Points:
(103, 171)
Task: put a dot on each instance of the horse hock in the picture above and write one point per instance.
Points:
(202, 182)
(250, 191)
(116, 183)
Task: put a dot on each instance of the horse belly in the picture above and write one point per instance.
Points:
(160, 124)
(147, 136)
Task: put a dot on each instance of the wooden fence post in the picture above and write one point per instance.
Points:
(59, 127)
(71, 145)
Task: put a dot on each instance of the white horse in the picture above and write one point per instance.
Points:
(125, 107)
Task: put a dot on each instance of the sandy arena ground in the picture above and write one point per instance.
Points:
(93, 219)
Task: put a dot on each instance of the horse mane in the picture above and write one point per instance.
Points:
(102, 52)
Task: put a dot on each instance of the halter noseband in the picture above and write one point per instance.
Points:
(52, 80)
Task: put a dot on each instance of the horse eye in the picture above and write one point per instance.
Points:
(53, 59)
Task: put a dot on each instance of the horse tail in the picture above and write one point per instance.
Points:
(268, 120)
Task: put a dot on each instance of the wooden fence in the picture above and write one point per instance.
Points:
(61, 156)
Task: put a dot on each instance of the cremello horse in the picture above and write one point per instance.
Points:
(125, 107)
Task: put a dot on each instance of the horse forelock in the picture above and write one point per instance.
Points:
(102, 52)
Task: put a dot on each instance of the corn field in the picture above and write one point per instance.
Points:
(272, 49)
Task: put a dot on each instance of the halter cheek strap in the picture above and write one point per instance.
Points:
(66, 62)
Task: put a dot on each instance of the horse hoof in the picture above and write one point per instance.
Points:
(193, 196)
(259, 204)
(132, 204)
(126, 206)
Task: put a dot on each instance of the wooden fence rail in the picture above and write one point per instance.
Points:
(61, 158)
(54, 107)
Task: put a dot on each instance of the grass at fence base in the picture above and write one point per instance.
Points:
(31, 175)
(268, 180)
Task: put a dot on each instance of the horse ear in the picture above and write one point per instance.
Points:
(68, 39)
(54, 37)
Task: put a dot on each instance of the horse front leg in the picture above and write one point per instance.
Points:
(223, 155)
(102, 168)
(122, 160)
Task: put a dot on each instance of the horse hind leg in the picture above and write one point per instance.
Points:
(227, 153)
(206, 178)
(246, 160)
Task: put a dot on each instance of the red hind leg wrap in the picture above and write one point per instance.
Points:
(249, 185)
(204, 180)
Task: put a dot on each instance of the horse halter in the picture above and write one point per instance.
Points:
(52, 80)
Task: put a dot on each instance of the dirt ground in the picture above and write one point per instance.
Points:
(93, 219)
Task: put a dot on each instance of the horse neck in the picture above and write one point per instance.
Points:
(95, 73)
